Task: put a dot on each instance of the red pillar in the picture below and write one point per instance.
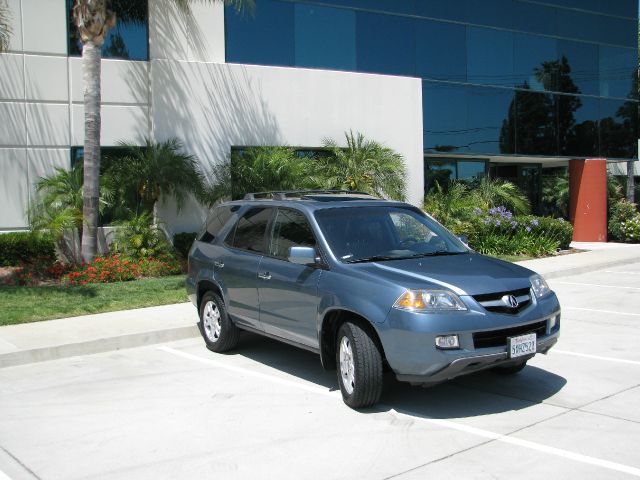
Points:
(588, 199)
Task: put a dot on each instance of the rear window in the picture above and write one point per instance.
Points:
(249, 233)
(216, 221)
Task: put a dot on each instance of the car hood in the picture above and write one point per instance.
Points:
(466, 274)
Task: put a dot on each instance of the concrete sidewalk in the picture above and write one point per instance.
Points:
(53, 339)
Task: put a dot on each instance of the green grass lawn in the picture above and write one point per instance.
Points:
(31, 304)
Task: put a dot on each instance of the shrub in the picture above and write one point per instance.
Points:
(119, 269)
(182, 242)
(622, 211)
(498, 232)
(138, 238)
(26, 247)
(631, 230)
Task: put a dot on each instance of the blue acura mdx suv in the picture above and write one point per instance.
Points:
(368, 284)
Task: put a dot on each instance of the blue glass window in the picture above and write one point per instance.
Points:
(489, 56)
(534, 18)
(129, 38)
(536, 123)
(619, 31)
(441, 51)
(578, 67)
(618, 128)
(265, 38)
(626, 8)
(535, 62)
(618, 72)
(471, 169)
(385, 44)
(488, 116)
(495, 13)
(314, 48)
(444, 109)
(578, 125)
(445, 9)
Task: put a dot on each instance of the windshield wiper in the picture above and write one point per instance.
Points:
(436, 254)
(373, 258)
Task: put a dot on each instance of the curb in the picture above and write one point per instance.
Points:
(567, 272)
(99, 345)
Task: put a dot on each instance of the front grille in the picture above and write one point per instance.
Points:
(498, 338)
(493, 301)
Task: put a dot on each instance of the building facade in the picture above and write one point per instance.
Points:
(461, 88)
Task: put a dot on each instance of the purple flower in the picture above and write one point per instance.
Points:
(493, 211)
(477, 210)
(514, 224)
(528, 228)
(497, 223)
(535, 222)
(486, 221)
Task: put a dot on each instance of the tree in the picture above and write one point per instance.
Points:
(94, 19)
(155, 171)
(5, 26)
(364, 165)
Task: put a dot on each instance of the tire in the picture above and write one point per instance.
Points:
(217, 329)
(359, 366)
(510, 369)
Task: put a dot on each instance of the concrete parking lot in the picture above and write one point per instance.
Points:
(269, 411)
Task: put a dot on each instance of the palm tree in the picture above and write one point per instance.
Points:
(364, 165)
(494, 193)
(5, 26)
(154, 171)
(94, 19)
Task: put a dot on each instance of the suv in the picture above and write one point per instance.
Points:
(368, 284)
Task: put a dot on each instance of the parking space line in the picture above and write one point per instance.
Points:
(595, 357)
(600, 311)
(593, 285)
(624, 273)
(558, 452)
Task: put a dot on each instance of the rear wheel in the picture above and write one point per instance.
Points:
(510, 369)
(359, 366)
(217, 329)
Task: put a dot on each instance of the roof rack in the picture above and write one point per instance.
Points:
(284, 195)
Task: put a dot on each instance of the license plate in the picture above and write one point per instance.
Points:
(522, 345)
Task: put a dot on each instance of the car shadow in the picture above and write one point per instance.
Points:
(473, 395)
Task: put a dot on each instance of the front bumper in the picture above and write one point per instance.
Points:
(408, 340)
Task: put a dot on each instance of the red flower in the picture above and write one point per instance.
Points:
(83, 283)
(119, 269)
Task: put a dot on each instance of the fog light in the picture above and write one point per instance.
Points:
(553, 322)
(447, 341)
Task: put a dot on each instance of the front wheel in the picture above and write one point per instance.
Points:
(217, 329)
(359, 366)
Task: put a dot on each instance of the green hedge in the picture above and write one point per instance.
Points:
(26, 247)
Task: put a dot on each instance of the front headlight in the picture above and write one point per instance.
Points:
(429, 301)
(539, 286)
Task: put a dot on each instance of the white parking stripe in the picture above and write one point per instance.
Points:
(625, 273)
(595, 357)
(558, 452)
(593, 285)
(600, 311)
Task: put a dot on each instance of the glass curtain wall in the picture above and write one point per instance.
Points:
(500, 77)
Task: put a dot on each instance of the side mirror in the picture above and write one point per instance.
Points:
(302, 255)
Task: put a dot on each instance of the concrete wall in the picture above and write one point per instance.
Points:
(185, 91)
(41, 103)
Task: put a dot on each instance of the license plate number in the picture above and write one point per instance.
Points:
(522, 345)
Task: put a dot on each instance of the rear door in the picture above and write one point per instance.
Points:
(289, 292)
(237, 267)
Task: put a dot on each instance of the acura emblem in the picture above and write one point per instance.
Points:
(510, 301)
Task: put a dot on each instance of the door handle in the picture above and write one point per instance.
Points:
(264, 276)
(218, 264)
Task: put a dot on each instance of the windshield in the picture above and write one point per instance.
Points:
(363, 234)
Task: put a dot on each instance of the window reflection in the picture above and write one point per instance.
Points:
(618, 129)
(580, 62)
(441, 51)
(617, 71)
(129, 38)
(445, 117)
(488, 110)
(489, 56)
(533, 62)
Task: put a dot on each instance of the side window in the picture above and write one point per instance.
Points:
(218, 218)
(290, 229)
(249, 233)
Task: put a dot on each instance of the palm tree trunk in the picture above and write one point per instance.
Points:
(91, 55)
(631, 188)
